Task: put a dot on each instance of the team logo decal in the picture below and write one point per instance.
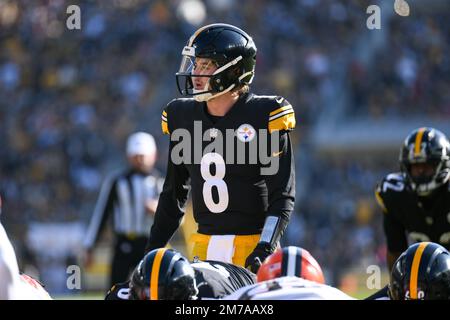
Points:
(246, 133)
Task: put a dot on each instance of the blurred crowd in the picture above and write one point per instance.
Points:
(411, 77)
(70, 98)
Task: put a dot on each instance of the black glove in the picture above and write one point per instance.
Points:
(257, 257)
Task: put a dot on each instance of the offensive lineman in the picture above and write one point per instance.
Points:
(180, 280)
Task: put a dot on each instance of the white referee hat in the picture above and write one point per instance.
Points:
(141, 143)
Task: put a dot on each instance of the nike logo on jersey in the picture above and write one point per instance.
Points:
(279, 100)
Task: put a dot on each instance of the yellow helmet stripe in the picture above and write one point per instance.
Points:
(155, 274)
(415, 270)
(418, 143)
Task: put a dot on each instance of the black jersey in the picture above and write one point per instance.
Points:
(233, 185)
(119, 291)
(405, 213)
(214, 280)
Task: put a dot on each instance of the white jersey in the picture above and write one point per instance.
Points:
(14, 286)
(288, 288)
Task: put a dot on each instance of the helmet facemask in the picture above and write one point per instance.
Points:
(139, 290)
(424, 184)
(180, 284)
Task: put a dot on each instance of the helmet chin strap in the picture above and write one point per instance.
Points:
(208, 96)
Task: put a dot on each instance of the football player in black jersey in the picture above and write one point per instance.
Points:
(164, 274)
(243, 189)
(416, 201)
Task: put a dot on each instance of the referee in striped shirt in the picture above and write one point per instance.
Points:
(131, 198)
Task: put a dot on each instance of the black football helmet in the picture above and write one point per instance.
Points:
(230, 48)
(426, 145)
(421, 272)
(163, 274)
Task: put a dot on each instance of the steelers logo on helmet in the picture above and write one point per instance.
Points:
(246, 132)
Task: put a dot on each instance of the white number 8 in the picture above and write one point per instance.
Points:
(214, 181)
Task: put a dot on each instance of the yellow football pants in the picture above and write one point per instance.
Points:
(243, 246)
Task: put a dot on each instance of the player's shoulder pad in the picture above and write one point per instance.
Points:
(389, 187)
(396, 178)
(119, 291)
(175, 109)
(280, 113)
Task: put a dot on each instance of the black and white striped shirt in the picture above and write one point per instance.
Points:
(124, 195)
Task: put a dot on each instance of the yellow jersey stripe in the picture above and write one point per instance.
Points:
(415, 270)
(164, 113)
(380, 201)
(155, 274)
(418, 143)
(278, 115)
(280, 110)
(286, 122)
(164, 127)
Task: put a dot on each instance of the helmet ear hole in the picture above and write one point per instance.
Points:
(234, 73)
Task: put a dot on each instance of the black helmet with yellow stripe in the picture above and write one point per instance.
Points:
(421, 272)
(428, 148)
(163, 274)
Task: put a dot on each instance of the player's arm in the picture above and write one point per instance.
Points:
(280, 187)
(393, 229)
(172, 200)
(395, 239)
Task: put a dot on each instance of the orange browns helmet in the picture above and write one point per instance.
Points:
(290, 261)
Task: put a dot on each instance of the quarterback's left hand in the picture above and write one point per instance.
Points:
(257, 257)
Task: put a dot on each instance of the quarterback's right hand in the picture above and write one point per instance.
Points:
(257, 257)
